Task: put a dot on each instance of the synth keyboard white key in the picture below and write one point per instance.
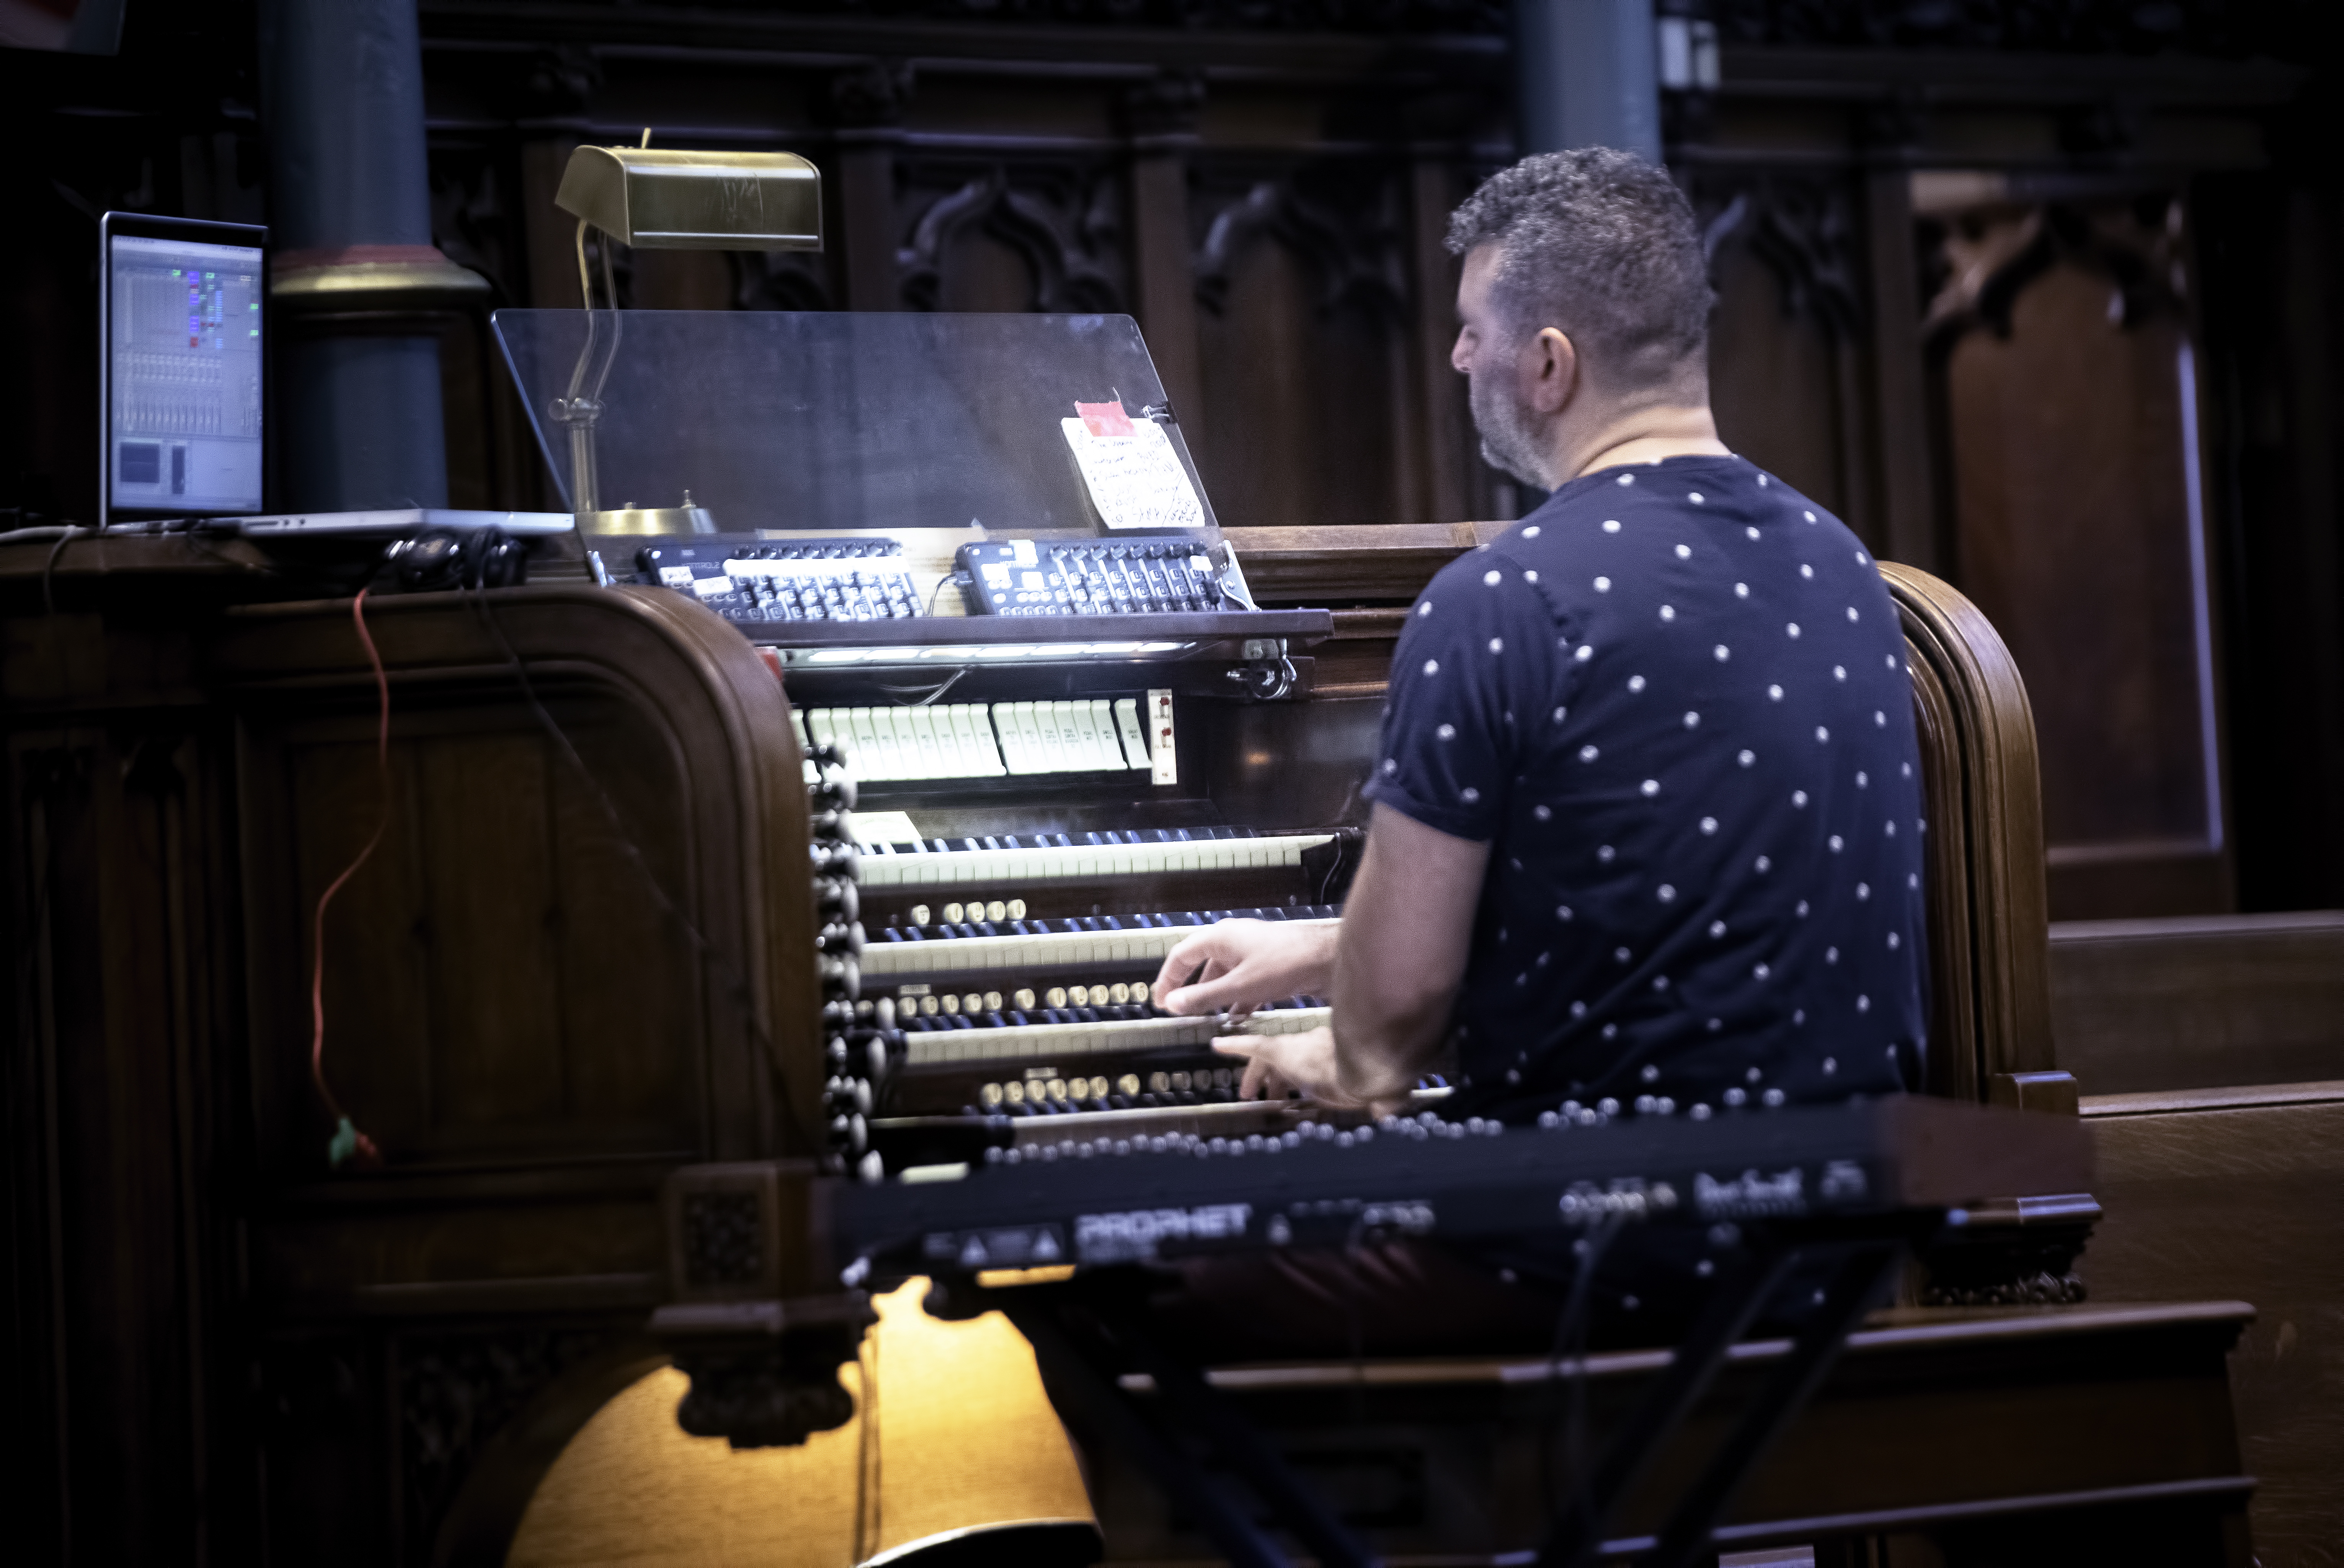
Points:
(1063, 862)
(1051, 950)
(1076, 1042)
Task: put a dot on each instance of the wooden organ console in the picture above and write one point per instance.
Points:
(579, 1000)
(695, 899)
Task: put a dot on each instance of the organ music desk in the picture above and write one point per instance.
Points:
(539, 1047)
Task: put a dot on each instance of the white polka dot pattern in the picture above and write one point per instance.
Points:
(1716, 809)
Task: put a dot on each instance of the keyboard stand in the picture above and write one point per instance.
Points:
(1864, 1262)
(1087, 1335)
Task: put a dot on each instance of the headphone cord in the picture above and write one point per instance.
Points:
(348, 1142)
(728, 976)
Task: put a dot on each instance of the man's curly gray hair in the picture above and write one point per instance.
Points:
(1598, 243)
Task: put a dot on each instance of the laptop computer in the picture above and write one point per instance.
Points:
(182, 379)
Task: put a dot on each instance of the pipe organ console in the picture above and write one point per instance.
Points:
(999, 880)
(739, 893)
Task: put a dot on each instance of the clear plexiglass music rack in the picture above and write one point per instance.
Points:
(931, 429)
(834, 421)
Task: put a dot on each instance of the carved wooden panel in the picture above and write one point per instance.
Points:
(1788, 378)
(1000, 235)
(2070, 395)
(1311, 406)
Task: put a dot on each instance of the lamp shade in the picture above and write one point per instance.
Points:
(659, 198)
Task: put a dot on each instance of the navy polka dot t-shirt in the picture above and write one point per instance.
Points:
(1674, 700)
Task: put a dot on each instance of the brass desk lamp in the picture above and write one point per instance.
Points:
(672, 200)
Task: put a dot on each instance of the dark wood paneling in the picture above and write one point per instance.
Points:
(2203, 1002)
(1774, 383)
(2211, 1186)
(2070, 410)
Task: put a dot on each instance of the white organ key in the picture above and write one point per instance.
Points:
(952, 746)
(1033, 719)
(972, 725)
(1096, 743)
(898, 723)
(1022, 740)
(1051, 716)
(1082, 744)
(879, 763)
(1002, 719)
(1029, 726)
(1054, 1042)
(975, 759)
(990, 739)
(936, 761)
(1110, 752)
(1135, 734)
(1049, 863)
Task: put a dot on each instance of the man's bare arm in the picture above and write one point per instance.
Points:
(1407, 927)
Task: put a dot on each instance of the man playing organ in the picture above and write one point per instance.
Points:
(1647, 824)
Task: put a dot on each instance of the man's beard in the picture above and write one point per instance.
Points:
(1508, 441)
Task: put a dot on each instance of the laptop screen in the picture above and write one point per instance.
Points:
(184, 374)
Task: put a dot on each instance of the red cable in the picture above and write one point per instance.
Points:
(349, 1142)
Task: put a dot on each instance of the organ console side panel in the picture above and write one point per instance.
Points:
(534, 1038)
(606, 956)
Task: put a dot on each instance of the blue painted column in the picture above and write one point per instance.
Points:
(1585, 76)
(354, 275)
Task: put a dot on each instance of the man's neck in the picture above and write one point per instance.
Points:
(1647, 436)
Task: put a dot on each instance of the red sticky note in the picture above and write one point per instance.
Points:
(1104, 419)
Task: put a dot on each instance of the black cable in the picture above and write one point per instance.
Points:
(728, 977)
(928, 694)
(49, 571)
(949, 580)
(1571, 1335)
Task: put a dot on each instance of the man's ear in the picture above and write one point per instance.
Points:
(1551, 372)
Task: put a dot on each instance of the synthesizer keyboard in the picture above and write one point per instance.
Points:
(1178, 1193)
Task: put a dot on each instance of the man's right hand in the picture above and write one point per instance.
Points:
(1238, 966)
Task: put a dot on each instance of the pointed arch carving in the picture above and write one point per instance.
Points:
(1064, 222)
(1804, 230)
(1346, 221)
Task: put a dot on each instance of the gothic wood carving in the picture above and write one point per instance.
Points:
(1806, 230)
(1065, 222)
(1346, 219)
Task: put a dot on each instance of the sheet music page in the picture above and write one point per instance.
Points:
(1135, 480)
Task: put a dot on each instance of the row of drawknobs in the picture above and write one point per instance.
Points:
(859, 1048)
